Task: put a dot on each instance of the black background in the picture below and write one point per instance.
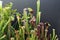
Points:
(50, 10)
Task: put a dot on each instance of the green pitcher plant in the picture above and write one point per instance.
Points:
(29, 26)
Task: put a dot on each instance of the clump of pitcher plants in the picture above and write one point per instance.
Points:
(29, 26)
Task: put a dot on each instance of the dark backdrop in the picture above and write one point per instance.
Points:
(50, 10)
